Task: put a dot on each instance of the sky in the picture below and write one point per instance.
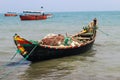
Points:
(59, 5)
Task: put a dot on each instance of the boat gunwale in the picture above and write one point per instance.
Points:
(60, 47)
(66, 47)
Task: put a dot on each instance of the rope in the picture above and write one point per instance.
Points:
(116, 37)
(5, 74)
(103, 32)
(4, 65)
(13, 56)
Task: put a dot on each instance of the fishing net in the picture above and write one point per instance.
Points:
(53, 39)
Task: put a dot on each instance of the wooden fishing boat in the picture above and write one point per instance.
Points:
(10, 14)
(57, 45)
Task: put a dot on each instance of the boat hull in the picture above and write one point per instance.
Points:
(10, 14)
(33, 17)
(44, 53)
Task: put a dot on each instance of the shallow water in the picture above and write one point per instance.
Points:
(100, 63)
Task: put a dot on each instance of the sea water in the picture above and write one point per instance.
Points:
(102, 62)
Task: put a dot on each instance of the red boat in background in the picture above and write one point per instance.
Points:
(10, 14)
(33, 17)
(28, 15)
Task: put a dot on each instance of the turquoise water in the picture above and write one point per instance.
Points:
(100, 63)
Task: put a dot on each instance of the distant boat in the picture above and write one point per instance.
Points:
(56, 45)
(33, 17)
(10, 14)
(29, 15)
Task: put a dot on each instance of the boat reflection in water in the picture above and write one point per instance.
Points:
(56, 69)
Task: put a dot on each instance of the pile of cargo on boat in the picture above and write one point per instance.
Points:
(53, 39)
(58, 40)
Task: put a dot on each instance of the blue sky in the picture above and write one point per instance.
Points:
(59, 5)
